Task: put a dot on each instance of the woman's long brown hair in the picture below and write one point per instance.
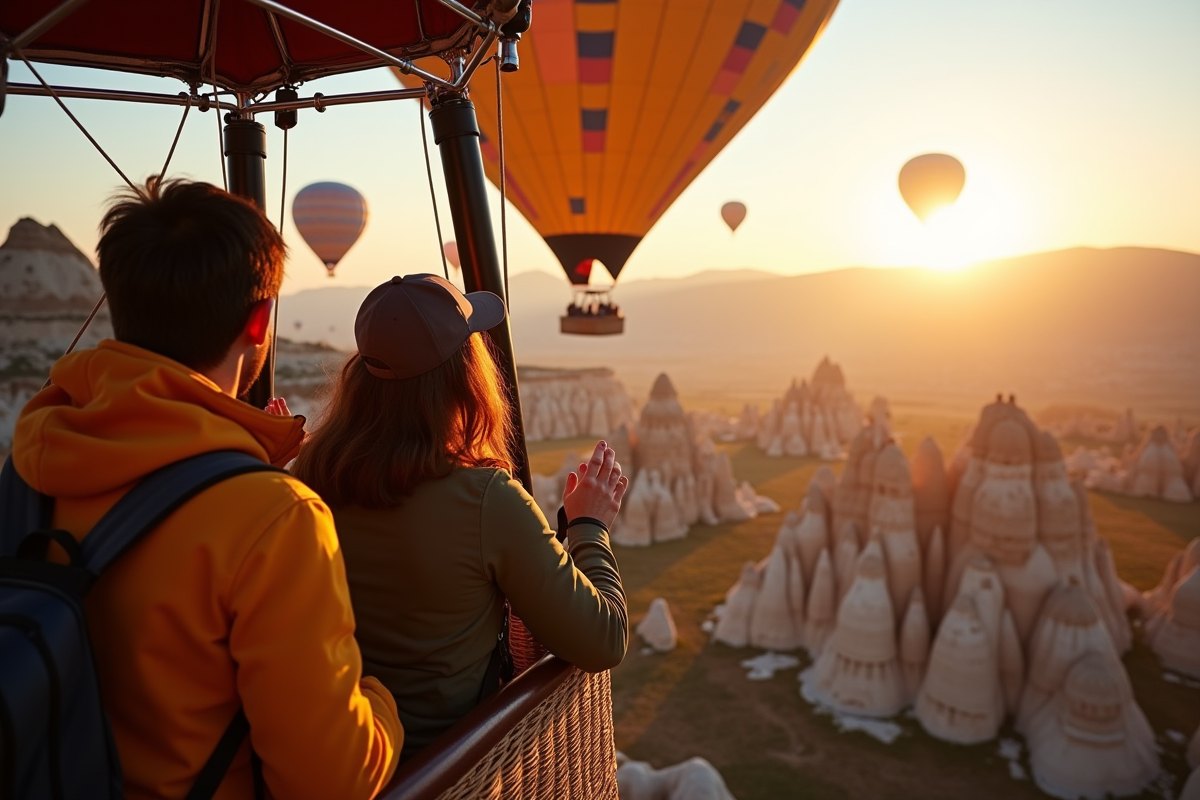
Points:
(379, 438)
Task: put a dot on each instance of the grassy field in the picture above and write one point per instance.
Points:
(769, 743)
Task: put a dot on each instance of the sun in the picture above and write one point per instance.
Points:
(987, 221)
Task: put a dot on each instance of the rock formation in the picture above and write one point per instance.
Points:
(914, 645)
(1173, 633)
(1157, 471)
(961, 699)
(1095, 743)
(772, 623)
(568, 403)
(891, 514)
(817, 417)
(931, 491)
(1084, 728)
(733, 627)
(657, 629)
(634, 527)
(859, 669)
(47, 289)
(821, 609)
(987, 623)
(679, 477)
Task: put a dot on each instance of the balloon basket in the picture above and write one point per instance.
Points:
(608, 325)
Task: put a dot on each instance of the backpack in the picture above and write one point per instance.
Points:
(55, 738)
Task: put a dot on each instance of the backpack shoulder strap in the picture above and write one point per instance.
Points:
(22, 510)
(155, 497)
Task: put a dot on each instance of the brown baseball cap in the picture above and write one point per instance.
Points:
(413, 323)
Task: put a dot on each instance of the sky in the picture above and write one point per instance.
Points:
(1078, 124)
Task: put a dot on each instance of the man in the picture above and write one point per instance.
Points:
(239, 599)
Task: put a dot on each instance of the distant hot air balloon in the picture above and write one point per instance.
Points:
(451, 251)
(330, 217)
(619, 105)
(931, 182)
(298, 324)
(734, 213)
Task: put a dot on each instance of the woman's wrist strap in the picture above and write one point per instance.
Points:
(587, 521)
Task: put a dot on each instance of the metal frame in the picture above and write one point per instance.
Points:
(484, 28)
(456, 133)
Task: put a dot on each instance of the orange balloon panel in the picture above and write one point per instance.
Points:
(619, 104)
(330, 217)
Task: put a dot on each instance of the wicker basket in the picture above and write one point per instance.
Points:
(524, 648)
(563, 750)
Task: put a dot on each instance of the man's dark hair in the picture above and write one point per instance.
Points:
(182, 263)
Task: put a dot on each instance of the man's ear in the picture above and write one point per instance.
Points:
(259, 323)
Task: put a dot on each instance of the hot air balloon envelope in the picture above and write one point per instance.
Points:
(451, 251)
(734, 213)
(931, 182)
(330, 217)
(619, 105)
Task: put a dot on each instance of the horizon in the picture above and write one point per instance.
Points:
(455, 275)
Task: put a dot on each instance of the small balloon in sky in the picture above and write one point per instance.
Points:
(298, 324)
(734, 213)
(451, 251)
(330, 217)
(930, 182)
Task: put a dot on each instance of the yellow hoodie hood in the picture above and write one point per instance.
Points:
(117, 412)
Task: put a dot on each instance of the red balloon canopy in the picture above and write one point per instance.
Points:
(251, 49)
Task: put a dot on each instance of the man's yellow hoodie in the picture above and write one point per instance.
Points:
(238, 600)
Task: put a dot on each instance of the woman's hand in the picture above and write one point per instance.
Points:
(277, 407)
(596, 490)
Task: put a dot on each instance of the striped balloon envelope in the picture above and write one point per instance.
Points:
(330, 217)
(620, 104)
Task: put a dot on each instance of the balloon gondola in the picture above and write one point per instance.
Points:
(593, 313)
(617, 111)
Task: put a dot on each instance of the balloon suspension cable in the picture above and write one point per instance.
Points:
(212, 78)
(50, 90)
(432, 196)
(84, 327)
(282, 207)
(174, 142)
(503, 193)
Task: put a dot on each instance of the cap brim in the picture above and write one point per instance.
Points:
(487, 311)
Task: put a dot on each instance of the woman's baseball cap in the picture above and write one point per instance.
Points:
(414, 323)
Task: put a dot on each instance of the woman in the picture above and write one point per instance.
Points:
(414, 457)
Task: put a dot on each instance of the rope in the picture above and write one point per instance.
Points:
(503, 193)
(78, 124)
(78, 336)
(175, 141)
(432, 196)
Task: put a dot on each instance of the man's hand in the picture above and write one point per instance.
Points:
(597, 488)
(277, 407)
